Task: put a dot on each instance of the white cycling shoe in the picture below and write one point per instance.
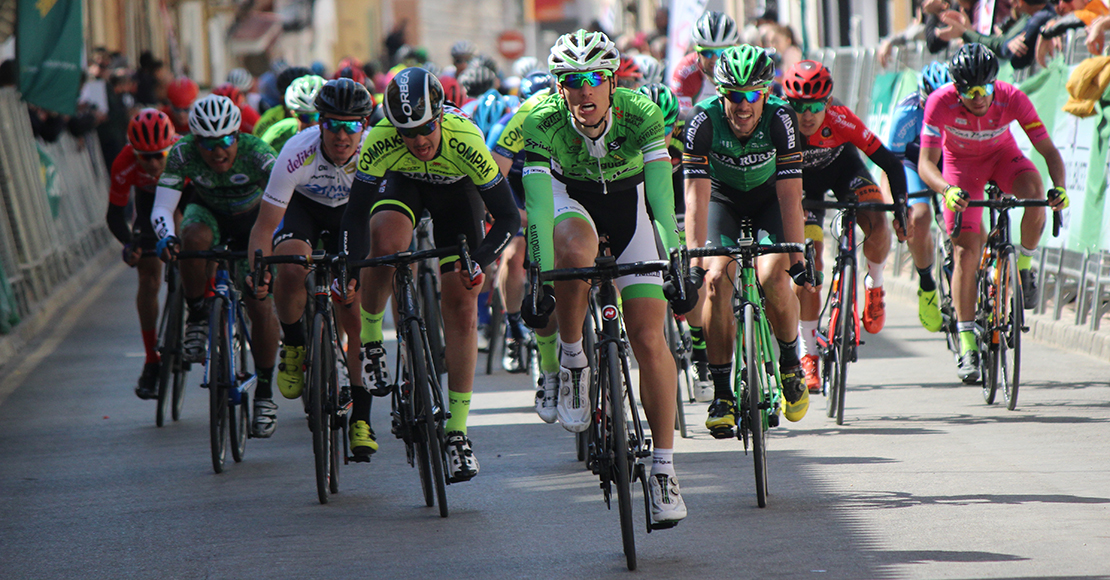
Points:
(573, 406)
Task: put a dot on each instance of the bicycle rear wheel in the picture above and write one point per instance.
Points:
(239, 410)
(319, 418)
(1010, 315)
(426, 417)
(218, 372)
(755, 378)
(433, 318)
(496, 329)
(985, 318)
(622, 456)
(169, 341)
(943, 274)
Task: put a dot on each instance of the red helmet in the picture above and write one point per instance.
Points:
(807, 80)
(453, 91)
(350, 72)
(230, 91)
(628, 70)
(349, 61)
(182, 92)
(151, 131)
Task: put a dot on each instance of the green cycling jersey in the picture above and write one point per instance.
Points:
(269, 117)
(234, 191)
(280, 132)
(511, 140)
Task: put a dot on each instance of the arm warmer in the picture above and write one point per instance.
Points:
(659, 191)
(117, 224)
(161, 215)
(894, 173)
(506, 221)
(355, 225)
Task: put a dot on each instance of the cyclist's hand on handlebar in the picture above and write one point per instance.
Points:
(903, 227)
(955, 198)
(692, 282)
(470, 282)
(338, 297)
(1058, 199)
(261, 287)
(167, 248)
(540, 317)
(132, 253)
(801, 276)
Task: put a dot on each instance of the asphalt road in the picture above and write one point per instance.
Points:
(922, 481)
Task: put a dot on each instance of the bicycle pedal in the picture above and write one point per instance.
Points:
(359, 459)
(773, 421)
(662, 525)
(722, 432)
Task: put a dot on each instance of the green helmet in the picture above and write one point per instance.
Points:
(300, 97)
(662, 96)
(743, 66)
(583, 51)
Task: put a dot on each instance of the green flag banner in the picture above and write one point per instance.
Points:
(49, 41)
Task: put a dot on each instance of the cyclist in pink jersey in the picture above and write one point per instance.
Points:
(968, 123)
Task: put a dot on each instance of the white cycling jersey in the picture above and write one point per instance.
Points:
(302, 167)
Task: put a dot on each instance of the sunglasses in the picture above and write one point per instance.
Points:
(743, 96)
(421, 131)
(977, 91)
(213, 143)
(578, 80)
(309, 117)
(710, 52)
(155, 156)
(335, 126)
(807, 106)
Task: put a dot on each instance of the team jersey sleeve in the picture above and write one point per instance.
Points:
(539, 200)
(658, 185)
(904, 130)
(119, 193)
(286, 175)
(699, 143)
(1027, 116)
(472, 156)
(788, 144)
(862, 137)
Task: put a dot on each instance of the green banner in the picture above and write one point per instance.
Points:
(49, 42)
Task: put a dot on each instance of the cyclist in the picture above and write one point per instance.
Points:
(651, 68)
(628, 73)
(594, 153)
(250, 116)
(425, 156)
(832, 133)
(905, 143)
(304, 203)
(229, 171)
(181, 93)
(968, 124)
(300, 99)
(461, 53)
(692, 80)
(279, 112)
(137, 167)
(742, 161)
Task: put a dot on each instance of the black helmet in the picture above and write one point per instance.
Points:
(413, 98)
(973, 65)
(344, 97)
(287, 76)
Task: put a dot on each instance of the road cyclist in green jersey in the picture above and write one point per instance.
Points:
(594, 155)
(300, 99)
(428, 156)
(742, 161)
(229, 171)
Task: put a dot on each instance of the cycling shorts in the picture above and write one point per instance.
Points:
(455, 208)
(311, 222)
(972, 174)
(847, 177)
(631, 237)
(233, 230)
(726, 215)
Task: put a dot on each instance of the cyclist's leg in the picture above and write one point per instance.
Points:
(146, 299)
(723, 226)
(510, 279)
(1017, 175)
(294, 236)
(876, 242)
(199, 232)
(810, 302)
(265, 329)
(967, 250)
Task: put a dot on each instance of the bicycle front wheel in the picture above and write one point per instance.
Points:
(1010, 315)
(843, 341)
(986, 319)
(622, 455)
(433, 319)
(169, 342)
(219, 364)
(238, 410)
(424, 407)
(755, 379)
(319, 419)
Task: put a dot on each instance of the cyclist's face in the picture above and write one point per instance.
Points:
(979, 105)
(706, 65)
(809, 122)
(589, 105)
(744, 116)
(425, 147)
(151, 165)
(340, 146)
(219, 159)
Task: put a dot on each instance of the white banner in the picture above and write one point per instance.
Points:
(682, 17)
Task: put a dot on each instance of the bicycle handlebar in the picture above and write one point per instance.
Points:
(216, 255)
(751, 249)
(856, 205)
(1005, 203)
(337, 262)
(408, 257)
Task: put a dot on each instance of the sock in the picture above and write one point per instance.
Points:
(150, 343)
(925, 279)
(967, 336)
(808, 334)
(361, 400)
(264, 388)
(483, 308)
(788, 354)
(1025, 257)
(549, 352)
(722, 388)
(293, 334)
(516, 326)
(371, 326)
(197, 310)
(572, 356)
(874, 275)
(697, 340)
(459, 405)
(662, 461)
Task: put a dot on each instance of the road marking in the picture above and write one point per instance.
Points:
(61, 331)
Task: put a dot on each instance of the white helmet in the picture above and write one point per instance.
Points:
(214, 116)
(651, 68)
(583, 51)
(300, 97)
(716, 30)
(524, 65)
(241, 79)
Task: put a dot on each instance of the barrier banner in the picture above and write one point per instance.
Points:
(683, 15)
(49, 41)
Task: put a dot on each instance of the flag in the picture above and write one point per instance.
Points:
(49, 43)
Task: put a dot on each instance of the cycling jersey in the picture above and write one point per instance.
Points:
(948, 125)
(302, 167)
(511, 140)
(268, 118)
(905, 141)
(280, 132)
(689, 83)
(840, 129)
(127, 174)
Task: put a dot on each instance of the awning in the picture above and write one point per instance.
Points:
(254, 33)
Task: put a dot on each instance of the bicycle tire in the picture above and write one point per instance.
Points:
(984, 315)
(589, 344)
(416, 435)
(1012, 314)
(846, 333)
(422, 392)
(755, 377)
(240, 423)
(622, 456)
(217, 381)
(166, 375)
(674, 343)
(944, 297)
(180, 371)
(433, 318)
(319, 420)
(496, 329)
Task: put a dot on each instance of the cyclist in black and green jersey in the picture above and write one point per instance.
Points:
(425, 156)
(743, 160)
(229, 171)
(594, 154)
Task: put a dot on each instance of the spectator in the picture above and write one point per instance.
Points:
(1018, 34)
(914, 32)
(121, 100)
(1096, 34)
(781, 39)
(147, 79)
(938, 33)
(1072, 14)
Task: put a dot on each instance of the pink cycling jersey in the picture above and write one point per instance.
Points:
(949, 126)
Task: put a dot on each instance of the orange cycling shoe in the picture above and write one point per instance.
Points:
(874, 311)
(813, 379)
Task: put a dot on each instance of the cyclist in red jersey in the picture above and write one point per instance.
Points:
(833, 133)
(138, 167)
(692, 79)
(968, 123)
(181, 93)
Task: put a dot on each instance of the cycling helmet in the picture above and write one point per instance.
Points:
(414, 97)
(344, 97)
(488, 112)
(181, 92)
(973, 65)
(807, 80)
(452, 91)
(151, 131)
(933, 76)
(535, 82)
(477, 79)
(583, 51)
(525, 65)
(214, 116)
(350, 72)
(715, 30)
(349, 61)
(230, 91)
(662, 96)
(511, 102)
(463, 50)
(651, 68)
(743, 66)
(241, 79)
(287, 76)
(300, 97)
(628, 73)
(484, 60)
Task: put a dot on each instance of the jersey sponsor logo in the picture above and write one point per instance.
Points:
(826, 132)
(547, 123)
(202, 180)
(931, 131)
(239, 179)
(433, 178)
(694, 159)
(328, 190)
(536, 171)
(321, 168)
(375, 150)
(617, 143)
(1032, 125)
(296, 162)
(473, 156)
(746, 161)
(536, 145)
(961, 121)
(791, 158)
(789, 126)
(977, 135)
(169, 180)
(692, 127)
(511, 138)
